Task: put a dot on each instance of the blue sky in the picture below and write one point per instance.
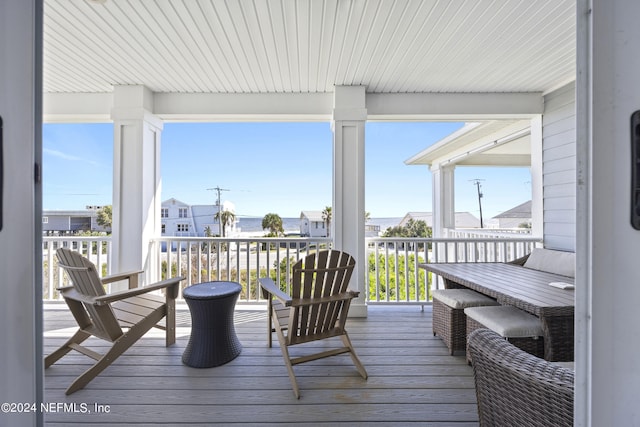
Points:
(271, 167)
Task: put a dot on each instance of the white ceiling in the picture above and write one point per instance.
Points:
(308, 46)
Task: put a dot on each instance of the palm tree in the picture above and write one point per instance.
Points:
(326, 217)
(105, 216)
(273, 222)
(226, 218)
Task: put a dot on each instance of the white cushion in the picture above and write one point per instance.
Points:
(462, 298)
(557, 262)
(507, 321)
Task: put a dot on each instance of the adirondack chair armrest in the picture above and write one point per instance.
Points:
(170, 284)
(69, 292)
(120, 276)
(331, 298)
(269, 288)
(131, 276)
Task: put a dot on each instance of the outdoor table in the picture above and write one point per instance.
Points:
(213, 339)
(524, 288)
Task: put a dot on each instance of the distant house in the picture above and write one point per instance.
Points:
(312, 224)
(64, 222)
(182, 220)
(463, 219)
(515, 217)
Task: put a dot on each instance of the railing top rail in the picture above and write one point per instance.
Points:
(242, 239)
(305, 239)
(454, 239)
(75, 238)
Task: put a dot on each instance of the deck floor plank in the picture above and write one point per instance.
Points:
(412, 379)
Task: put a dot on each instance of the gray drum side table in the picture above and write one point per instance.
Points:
(213, 339)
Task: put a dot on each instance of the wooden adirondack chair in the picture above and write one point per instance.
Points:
(316, 310)
(106, 315)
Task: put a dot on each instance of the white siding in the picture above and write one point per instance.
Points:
(559, 169)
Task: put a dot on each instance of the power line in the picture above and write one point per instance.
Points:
(219, 190)
(476, 182)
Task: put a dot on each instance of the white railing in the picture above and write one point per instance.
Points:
(241, 260)
(396, 278)
(394, 275)
(96, 248)
(481, 233)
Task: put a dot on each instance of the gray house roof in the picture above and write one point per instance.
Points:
(521, 211)
(174, 201)
(312, 215)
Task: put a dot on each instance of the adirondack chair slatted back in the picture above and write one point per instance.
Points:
(320, 275)
(97, 319)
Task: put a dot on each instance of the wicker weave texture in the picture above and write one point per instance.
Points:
(213, 341)
(531, 345)
(514, 388)
(450, 325)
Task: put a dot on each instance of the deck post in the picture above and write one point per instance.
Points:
(537, 184)
(443, 195)
(348, 231)
(136, 178)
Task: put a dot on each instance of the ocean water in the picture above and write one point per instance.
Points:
(292, 225)
(251, 224)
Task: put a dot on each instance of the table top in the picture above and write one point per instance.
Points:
(513, 284)
(212, 290)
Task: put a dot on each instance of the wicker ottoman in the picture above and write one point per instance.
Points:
(449, 322)
(213, 339)
(520, 328)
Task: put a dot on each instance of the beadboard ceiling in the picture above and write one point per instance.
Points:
(308, 46)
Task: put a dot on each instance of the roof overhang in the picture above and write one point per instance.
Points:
(486, 143)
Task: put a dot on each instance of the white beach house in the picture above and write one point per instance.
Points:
(181, 219)
(312, 224)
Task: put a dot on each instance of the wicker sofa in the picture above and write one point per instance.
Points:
(514, 388)
(552, 261)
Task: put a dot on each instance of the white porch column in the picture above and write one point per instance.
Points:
(607, 247)
(21, 361)
(537, 196)
(136, 178)
(349, 116)
(443, 199)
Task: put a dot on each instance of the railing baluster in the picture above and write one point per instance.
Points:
(189, 252)
(406, 271)
(376, 269)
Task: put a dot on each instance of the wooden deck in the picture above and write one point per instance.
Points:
(412, 379)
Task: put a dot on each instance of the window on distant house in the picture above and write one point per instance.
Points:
(164, 213)
(183, 227)
(182, 212)
(45, 220)
(164, 228)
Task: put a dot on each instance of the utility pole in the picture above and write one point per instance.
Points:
(476, 182)
(218, 190)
